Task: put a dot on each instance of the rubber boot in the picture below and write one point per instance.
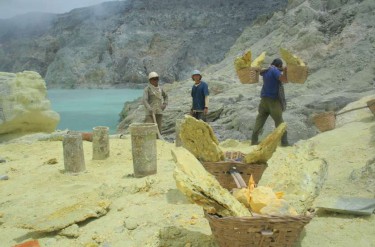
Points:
(284, 140)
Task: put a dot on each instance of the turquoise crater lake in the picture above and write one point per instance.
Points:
(83, 109)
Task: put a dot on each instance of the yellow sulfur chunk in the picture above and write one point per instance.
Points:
(261, 197)
(247, 56)
(264, 201)
(251, 185)
(258, 62)
(279, 194)
(243, 196)
(264, 151)
(290, 59)
(278, 207)
(243, 61)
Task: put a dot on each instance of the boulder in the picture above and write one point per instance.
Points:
(199, 138)
(202, 188)
(24, 106)
(267, 147)
(68, 216)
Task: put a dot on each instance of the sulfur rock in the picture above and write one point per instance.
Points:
(264, 151)
(243, 196)
(24, 106)
(199, 138)
(278, 207)
(261, 197)
(202, 188)
(68, 215)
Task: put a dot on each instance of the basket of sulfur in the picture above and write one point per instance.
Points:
(248, 70)
(234, 159)
(297, 69)
(251, 216)
(247, 216)
(252, 164)
(273, 222)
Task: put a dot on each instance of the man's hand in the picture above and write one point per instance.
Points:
(284, 77)
(205, 111)
(163, 107)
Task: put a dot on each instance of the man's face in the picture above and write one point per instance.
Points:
(154, 81)
(196, 78)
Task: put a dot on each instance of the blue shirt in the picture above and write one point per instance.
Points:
(199, 93)
(271, 83)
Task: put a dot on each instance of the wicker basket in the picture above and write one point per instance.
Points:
(325, 121)
(248, 75)
(297, 74)
(234, 159)
(371, 105)
(257, 231)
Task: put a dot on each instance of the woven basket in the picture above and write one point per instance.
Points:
(248, 75)
(257, 231)
(234, 159)
(371, 105)
(325, 121)
(297, 74)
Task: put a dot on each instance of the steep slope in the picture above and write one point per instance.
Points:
(335, 38)
(120, 42)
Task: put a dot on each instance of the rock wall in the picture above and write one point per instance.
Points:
(336, 40)
(118, 43)
(24, 106)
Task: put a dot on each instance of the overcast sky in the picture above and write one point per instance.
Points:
(10, 8)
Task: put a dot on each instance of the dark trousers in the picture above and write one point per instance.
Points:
(199, 115)
(268, 107)
(159, 117)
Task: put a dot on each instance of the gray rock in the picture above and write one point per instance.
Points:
(312, 33)
(123, 41)
(66, 216)
(2, 160)
(130, 224)
(71, 231)
(119, 229)
(4, 177)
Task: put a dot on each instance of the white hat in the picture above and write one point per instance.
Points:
(153, 75)
(196, 72)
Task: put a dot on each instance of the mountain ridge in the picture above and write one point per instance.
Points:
(119, 43)
(335, 40)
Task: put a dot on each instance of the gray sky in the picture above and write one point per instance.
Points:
(10, 8)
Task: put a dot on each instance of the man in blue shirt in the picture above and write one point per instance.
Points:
(199, 93)
(272, 100)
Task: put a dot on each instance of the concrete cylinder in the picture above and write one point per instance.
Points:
(100, 143)
(178, 141)
(143, 136)
(74, 160)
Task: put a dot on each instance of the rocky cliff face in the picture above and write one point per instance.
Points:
(335, 38)
(120, 42)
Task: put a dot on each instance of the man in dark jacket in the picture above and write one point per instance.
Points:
(199, 94)
(272, 99)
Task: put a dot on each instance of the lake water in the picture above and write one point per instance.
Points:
(83, 109)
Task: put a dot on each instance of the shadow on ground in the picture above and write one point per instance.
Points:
(179, 237)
